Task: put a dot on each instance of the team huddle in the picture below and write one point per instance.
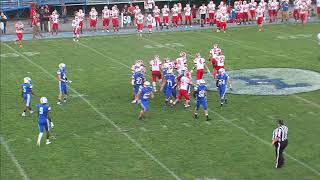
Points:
(175, 80)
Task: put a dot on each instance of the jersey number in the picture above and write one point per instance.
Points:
(41, 110)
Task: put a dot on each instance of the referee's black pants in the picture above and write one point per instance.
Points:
(279, 148)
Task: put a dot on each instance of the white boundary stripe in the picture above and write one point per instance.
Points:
(247, 132)
(139, 146)
(14, 159)
(307, 101)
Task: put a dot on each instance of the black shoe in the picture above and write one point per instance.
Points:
(208, 119)
(196, 116)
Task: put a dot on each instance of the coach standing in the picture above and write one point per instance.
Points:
(280, 142)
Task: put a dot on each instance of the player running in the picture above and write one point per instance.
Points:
(200, 93)
(214, 53)
(81, 16)
(223, 81)
(199, 65)
(169, 87)
(19, 31)
(144, 93)
(149, 23)
(63, 81)
(76, 28)
(155, 66)
(185, 82)
(44, 119)
(138, 80)
(26, 95)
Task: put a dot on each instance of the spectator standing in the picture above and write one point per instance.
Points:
(36, 26)
(126, 16)
(32, 12)
(285, 11)
(131, 9)
(42, 19)
(46, 19)
(3, 23)
(64, 13)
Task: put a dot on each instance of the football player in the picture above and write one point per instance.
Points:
(200, 93)
(44, 119)
(63, 81)
(199, 65)
(19, 32)
(138, 80)
(144, 93)
(169, 86)
(223, 81)
(185, 82)
(26, 95)
(155, 66)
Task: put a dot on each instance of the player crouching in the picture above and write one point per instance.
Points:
(44, 119)
(144, 93)
(222, 81)
(200, 93)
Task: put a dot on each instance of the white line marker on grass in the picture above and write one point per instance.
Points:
(186, 124)
(207, 122)
(133, 141)
(242, 44)
(14, 159)
(307, 101)
(251, 119)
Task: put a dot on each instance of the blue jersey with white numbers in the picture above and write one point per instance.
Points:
(138, 79)
(202, 89)
(26, 88)
(222, 80)
(43, 110)
(170, 80)
(62, 74)
(145, 92)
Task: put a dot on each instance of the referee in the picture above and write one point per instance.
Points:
(280, 142)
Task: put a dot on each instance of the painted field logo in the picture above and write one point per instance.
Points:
(273, 81)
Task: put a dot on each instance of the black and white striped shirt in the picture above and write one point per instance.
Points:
(280, 133)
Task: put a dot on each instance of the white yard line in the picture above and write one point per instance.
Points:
(243, 129)
(132, 140)
(307, 101)
(14, 159)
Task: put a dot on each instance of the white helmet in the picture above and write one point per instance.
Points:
(106, 7)
(26, 80)
(62, 66)
(43, 100)
(202, 81)
(169, 71)
(147, 83)
(222, 71)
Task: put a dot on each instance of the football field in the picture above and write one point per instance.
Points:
(97, 134)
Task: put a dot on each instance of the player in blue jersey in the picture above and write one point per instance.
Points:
(26, 94)
(63, 81)
(169, 86)
(44, 120)
(138, 80)
(200, 93)
(144, 93)
(222, 83)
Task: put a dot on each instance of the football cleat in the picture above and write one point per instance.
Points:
(31, 112)
(23, 114)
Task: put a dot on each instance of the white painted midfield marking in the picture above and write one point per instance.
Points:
(14, 159)
(243, 129)
(132, 140)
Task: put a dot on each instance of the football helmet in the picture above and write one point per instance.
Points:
(43, 100)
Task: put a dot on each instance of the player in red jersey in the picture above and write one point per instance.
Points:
(174, 18)
(214, 52)
(223, 21)
(115, 18)
(185, 82)
(252, 9)
(187, 15)
(106, 13)
(165, 16)
(211, 11)
(217, 19)
(156, 14)
(93, 16)
(318, 9)
(140, 22)
(303, 11)
(54, 20)
(260, 17)
(156, 66)
(76, 28)
(245, 9)
(199, 65)
(19, 32)
(81, 16)
(220, 62)
(149, 23)
(296, 7)
(179, 13)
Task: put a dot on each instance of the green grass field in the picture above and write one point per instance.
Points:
(97, 134)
